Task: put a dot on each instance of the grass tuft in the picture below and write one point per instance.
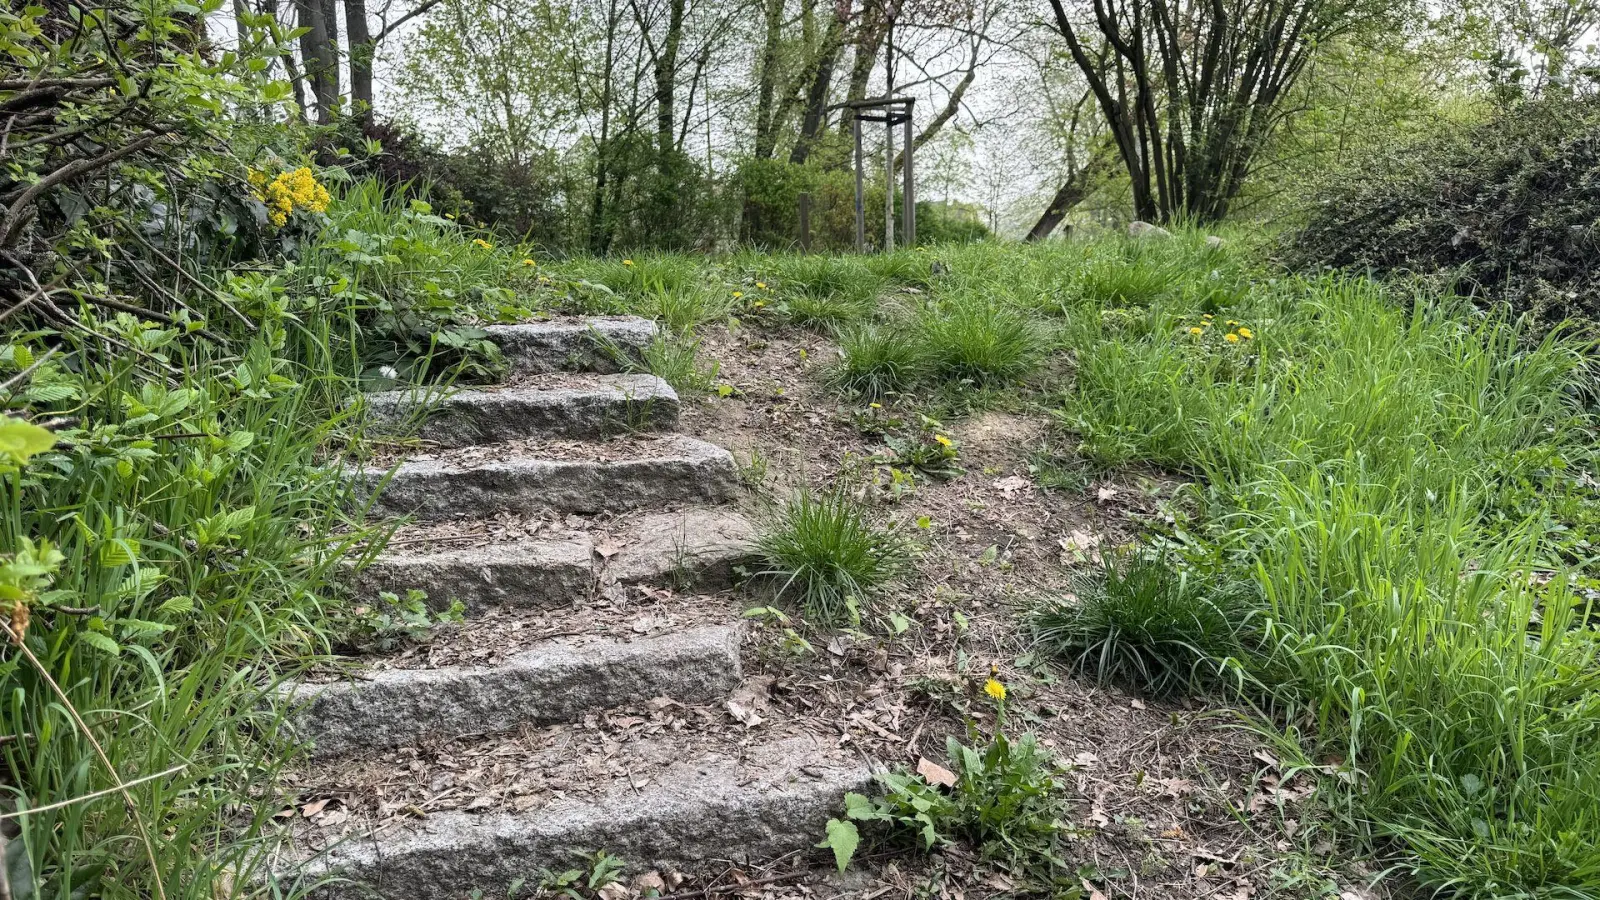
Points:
(878, 360)
(823, 549)
(977, 340)
(1140, 622)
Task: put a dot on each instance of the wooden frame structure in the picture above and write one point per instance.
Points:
(891, 111)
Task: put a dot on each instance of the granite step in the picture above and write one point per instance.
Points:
(552, 681)
(539, 407)
(530, 477)
(748, 803)
(573, 345)
(695, 547)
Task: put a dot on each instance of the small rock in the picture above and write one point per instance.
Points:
(1147, 231)
(1214, 243)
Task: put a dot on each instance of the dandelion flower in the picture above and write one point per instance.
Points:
(483, 243)
(1246, 333)
(1197, 331)
(762, 285)
(875, 405)
(627, 262)
(738, 294)
(529, 262)
(1231, 338)
(995, 689)
(942, 440)
(760, 303)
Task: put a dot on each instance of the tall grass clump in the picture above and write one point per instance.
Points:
(825, 291)
(823, 550)
(1385, 473)
(972, 338)
(876, 361)
(1141, 622)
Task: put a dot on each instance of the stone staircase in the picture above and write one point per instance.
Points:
(567, 437)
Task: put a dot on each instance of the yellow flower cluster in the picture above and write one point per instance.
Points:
(1236, 331)
(290, 191)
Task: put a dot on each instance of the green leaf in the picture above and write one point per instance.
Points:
(859, 807)
(100, 642)
(843, 839)
(21, 441)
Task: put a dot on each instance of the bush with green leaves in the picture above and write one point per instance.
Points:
(823, 549)
(1503, 209)
(1141, 622)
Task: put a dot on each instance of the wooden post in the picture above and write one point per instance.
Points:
(908, 197)
(888, 180)
(861, 209)
(805, 221)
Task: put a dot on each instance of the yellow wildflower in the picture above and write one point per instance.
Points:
(627, 262)
(1231, 338)
(292, 190)
(449, 215)
(1232, 323)
(760, 303)
(738, 294)
(995, 689)
(483, 243)
(529, 262)
(875, 405)
(1197, 331)
(1246, 333)
(762, 285)
(942, 440)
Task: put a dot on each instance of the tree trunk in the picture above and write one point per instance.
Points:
(362, 49)
(602, 148)
(1071, 193)
(317, 56)
(767, 123)
(330, 21)
(821, 82)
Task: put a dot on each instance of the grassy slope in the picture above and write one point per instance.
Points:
(1396, 478)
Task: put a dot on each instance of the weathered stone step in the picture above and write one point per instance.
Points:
(557, 681)
(542, 407)
(692, 547)
(620, 475)
(747, 804)
(580, 345)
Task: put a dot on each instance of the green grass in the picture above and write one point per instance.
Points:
(969, 338)
(877, 361)
(1140, 622)
(822, 550)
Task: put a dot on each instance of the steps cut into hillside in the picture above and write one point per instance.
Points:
(583, 345)
(557, 681)
(540, 407)
(631, 473)
(696, 547)
(745, 804)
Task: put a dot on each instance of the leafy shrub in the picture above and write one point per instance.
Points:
(878, 360)
(1505, 208)
(978, 340)
(1140, 622)
(824, 549)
